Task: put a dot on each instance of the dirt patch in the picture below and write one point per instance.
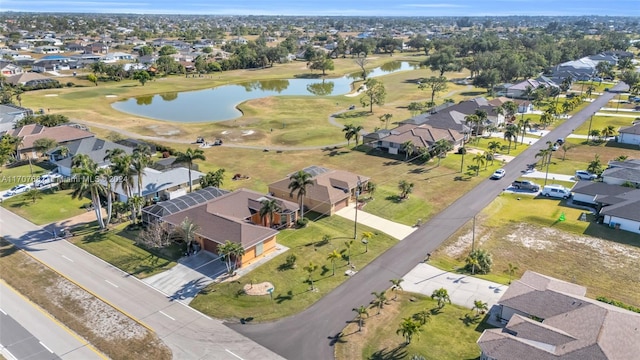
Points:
(164, 130)
(258, 289)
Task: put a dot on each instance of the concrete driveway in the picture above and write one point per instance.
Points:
(550, 178)
(463, 290)
(398, 231)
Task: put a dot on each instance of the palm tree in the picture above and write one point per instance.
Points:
(442, 296)
(371, 188)
(333, 256)
(566, 147)
(511, 134)
(590, 90)
(189, 157)
(122, 169)
(470, 260)
(482, 118)
(595, 166)
(106, 174)
(361, 312)
(385, 118)
(230, 252)
(310, 269)
(408, 329)
(473, 120)
(480, 306)
(140, 159)
(408, 148)
(298, 184)
(422, 316)
(511, 270)
(188, 231)
(33, 195)
(440, 147)
(545, 155)
(595, 133)
(523, 124)
(348, 245)
(406, 188)
(365, 238)
(86, 171)
(494, 146)
(135, 202)
(479, 159)
(396, 285)
(349, 133)
(356, 131)
(269, 208)
(608, 131)
(212, 178)
(380, 298)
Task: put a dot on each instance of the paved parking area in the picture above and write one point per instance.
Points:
(463, 290)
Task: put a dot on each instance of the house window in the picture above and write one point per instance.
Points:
(259, 249)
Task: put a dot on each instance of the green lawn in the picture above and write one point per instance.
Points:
(54, 206)
(436, 341)
(527, 232)
(292, 290)
(117, 247)
(483, 144)
(600, 122)
(10, 177)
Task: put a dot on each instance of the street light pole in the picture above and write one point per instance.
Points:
(589, 131)
(473, 234)
(355, 223)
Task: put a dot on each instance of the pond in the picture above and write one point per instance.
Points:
(219, 103)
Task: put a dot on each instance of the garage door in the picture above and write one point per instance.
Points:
(210, 246)
(340, 204)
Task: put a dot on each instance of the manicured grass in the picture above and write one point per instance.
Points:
(483, 144)
(378, 338)
(292, 291)
(527, 232)
(54, 206)
(117, 247)
(80, 311)
(600, 122)
(10, 177)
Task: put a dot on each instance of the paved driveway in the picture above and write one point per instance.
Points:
(398, 231)
(463, 290)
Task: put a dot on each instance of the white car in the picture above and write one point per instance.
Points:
(585, 175)
(47, 179)
(498, 174)
(18, 189)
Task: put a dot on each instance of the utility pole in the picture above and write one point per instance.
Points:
(473, 234)
(355, 223)
(589, 131)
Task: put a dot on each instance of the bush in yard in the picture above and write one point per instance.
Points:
(302, 222)
(479, 261)
(462, 150)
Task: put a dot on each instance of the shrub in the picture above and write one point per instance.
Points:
(70, 84)
(618, 304)
(302, 222)
(290, 261)
(462, 150)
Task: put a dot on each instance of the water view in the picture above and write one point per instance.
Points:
(219, 103)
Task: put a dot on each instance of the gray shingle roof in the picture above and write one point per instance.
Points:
(598, 188)
(95, 148)
(626, 174)
(634, 129)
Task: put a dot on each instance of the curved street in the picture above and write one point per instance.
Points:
(312, 333)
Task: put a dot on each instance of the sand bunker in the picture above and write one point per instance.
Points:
(258, 289)
(247, 132)
(51, 95)
(111, 96)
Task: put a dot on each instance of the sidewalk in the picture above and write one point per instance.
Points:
(463, 290)
(394, 229)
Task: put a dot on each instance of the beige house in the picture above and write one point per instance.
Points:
(331, 190)
(62, 134)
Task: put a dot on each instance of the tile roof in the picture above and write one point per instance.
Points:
(61, 134)
(587, 329)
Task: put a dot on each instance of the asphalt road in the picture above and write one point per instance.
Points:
(28, 333)
(310, 335)
(189, 334)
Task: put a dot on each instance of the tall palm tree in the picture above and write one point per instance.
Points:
(123, 171)
(441, 147)
(298, 184)
(608, 131)
(406, 188)
(385, 119)
(361, 312)
(408, 148)
(106, 174)
(482, 117)
(511, 270)
(479, 159)
(480, 306)
(269, 208)
(442, 296)
(310, 269)
(473, 120)
(349, 133)
(511, 134)
(493, 147)
(33, 195)
(230, 252)
(356, 131)
(189, 157)
(408, 329)
(380, 298)
(333, 256)
(396, 285)
(523, 124)
(348, 245)
(140, 160)
(187, 231)
(86, 171)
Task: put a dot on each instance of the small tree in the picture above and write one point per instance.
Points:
(43, 145)
(595, 166)
(479, 260)
(396, 285)
(142, 76)
(406, 188)
(422, 316)
(155, 236)
(441, 296)
(374, 94)
(348, 245)
(366, 237)
(310, 269)
(380, 298)
(33, 195)
(480, 306)
(361, 312)
(230, 252)
(408, 329)
(333, 256)
(93, 78)
(511, 270)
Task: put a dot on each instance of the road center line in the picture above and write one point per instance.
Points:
(45, 346)
(166, 315)
(67, 258)
(110, 283)
(229, 351)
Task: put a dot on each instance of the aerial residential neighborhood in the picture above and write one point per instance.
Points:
(297, 182)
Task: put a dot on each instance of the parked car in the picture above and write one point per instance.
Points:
(47, 179)
(352, 107)
(555, 147)
(560, 141)
(525, 185)
(217, 142)
(585, 175)
(498, 174)
(18, 189)
(556, 191)
(200, 140)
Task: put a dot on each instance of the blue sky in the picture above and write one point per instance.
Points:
(334, 7)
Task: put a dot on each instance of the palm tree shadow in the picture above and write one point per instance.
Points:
(282, 298)
(396, 353)
(469, 320)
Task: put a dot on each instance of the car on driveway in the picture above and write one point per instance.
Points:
(47, 179)
(498, 174)
(585, 175)
(525, 185)
(18, 189)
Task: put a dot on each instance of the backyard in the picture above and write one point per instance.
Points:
(378, 338)
(529, 233)
(293, 292)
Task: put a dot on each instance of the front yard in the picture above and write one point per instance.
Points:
(10, 177)
(55, 205)
(293, 292)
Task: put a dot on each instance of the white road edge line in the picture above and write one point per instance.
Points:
(2, 311)
(110, 283)
(45, 346)
(161, 312)
(229, 351)
(67, 258)
(7, 353)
